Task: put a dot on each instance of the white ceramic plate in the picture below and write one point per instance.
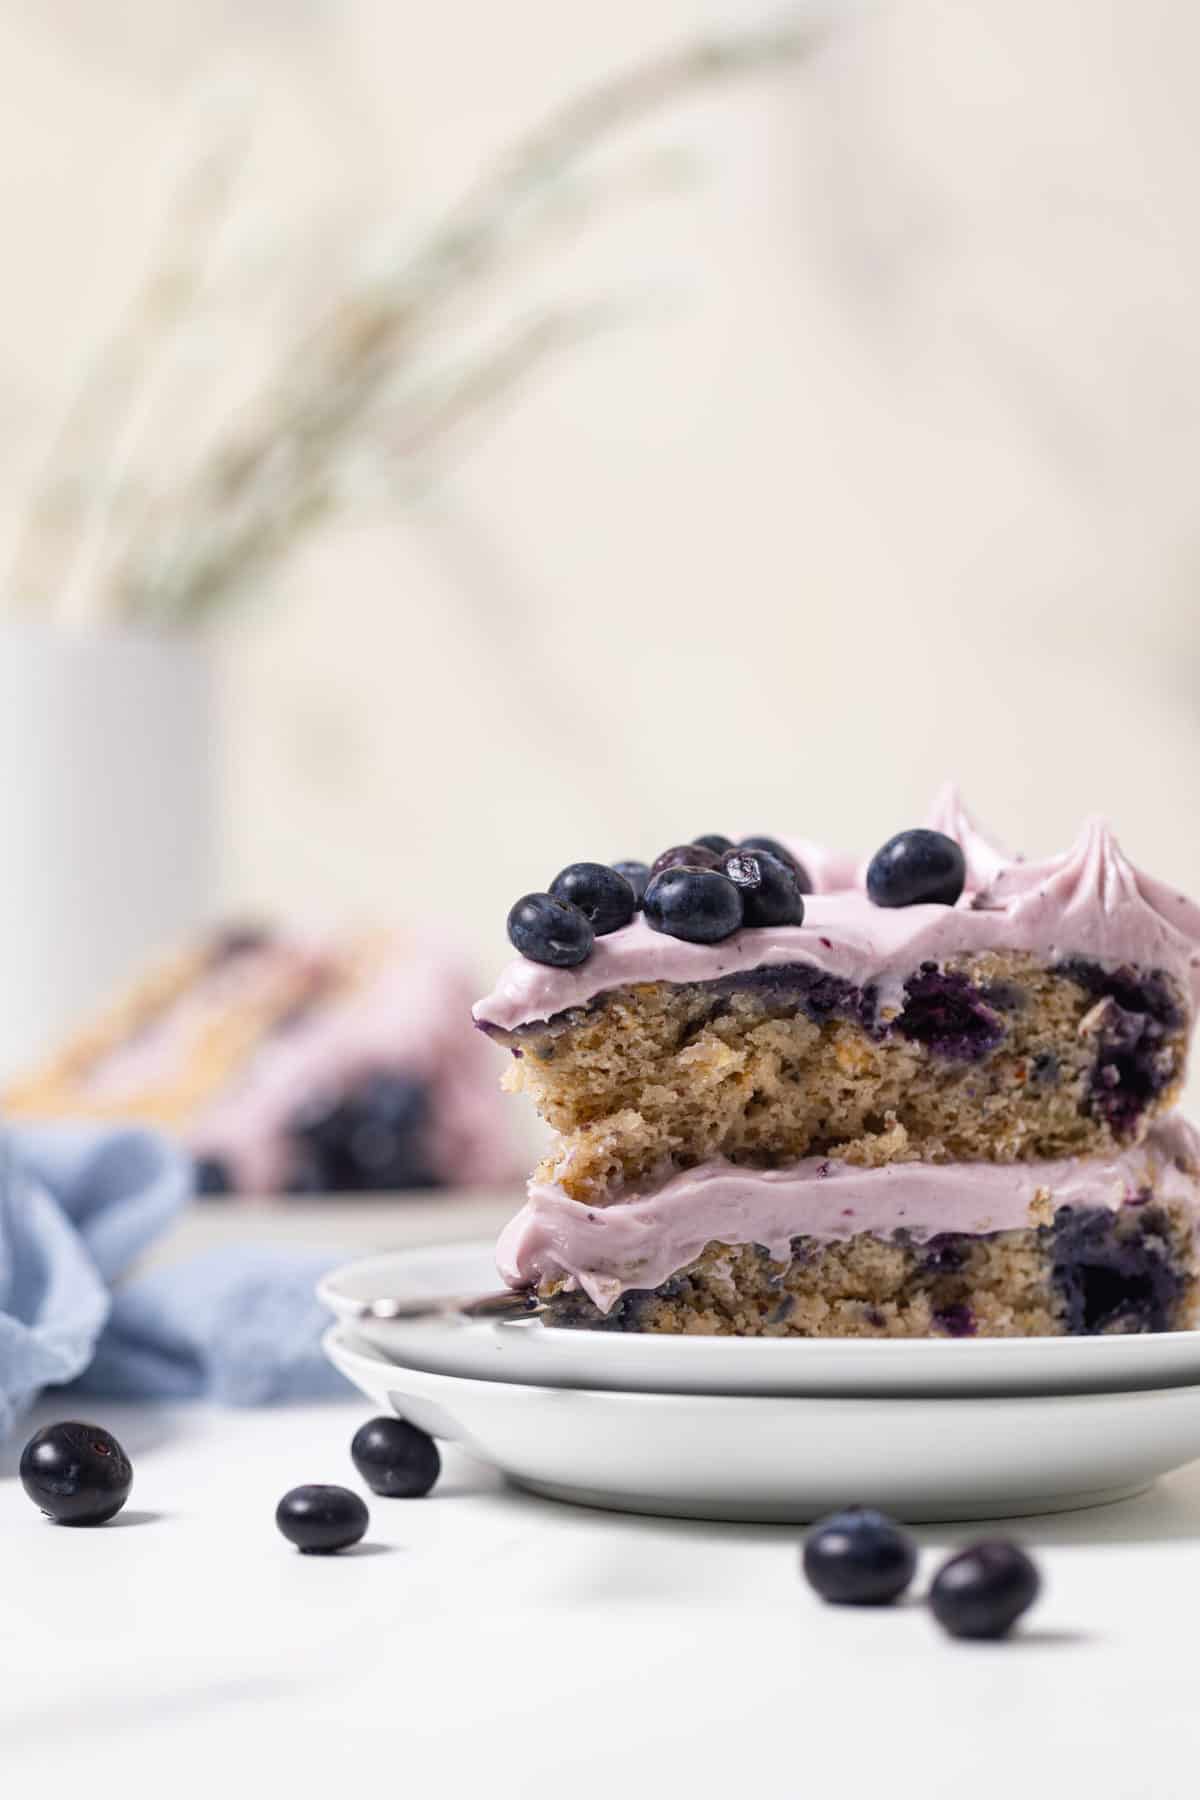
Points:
(787, 1458)
(643, 1363)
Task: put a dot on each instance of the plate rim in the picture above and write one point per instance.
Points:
(704, 1344)
(337, 1332)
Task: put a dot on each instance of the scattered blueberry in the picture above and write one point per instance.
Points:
(211, 1176)
(917, 868)
(685, 856)
(76, 1473)
(320, 1519)
(982, 1592)
(547, 931)
(699, 905)
(859, 1557)
(769, 888)
(604, 897)
(395, 1459)
(713, 840)
(637, 874)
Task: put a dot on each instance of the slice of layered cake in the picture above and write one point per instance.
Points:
(293, 1062)
(799, 1095)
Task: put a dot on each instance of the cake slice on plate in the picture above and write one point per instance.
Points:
(771, 1101)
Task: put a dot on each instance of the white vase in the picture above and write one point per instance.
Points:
(107, 818)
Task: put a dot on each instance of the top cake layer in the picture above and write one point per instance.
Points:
(1035, 1010)
(1089, 904)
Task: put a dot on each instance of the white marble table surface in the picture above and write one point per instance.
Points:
(483, 1641)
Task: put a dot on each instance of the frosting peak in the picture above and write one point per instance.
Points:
(1093, 872)
(1099, 900)
(984, 857)
(1094, 875)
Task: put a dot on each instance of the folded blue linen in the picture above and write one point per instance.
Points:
(78, 1205)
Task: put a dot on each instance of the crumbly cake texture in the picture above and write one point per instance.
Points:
(994, 1057)
(1088, 1272)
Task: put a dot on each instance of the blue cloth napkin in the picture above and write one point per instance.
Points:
(78, 1204)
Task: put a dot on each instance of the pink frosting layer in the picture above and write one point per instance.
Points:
(641, 1241)
(1090, 902)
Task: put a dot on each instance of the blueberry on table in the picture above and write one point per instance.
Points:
(637, 874)
(701, 906)
(859, 1557)
(917, 868)
(773, 847)
(320, 1520)
(545, 930)
(686, 856)
(77, 1473)
(604, 897)
(769, 888)
(395, 1459)
(713, 840)
(982, 1592)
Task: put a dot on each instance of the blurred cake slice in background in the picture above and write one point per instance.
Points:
(291, 1062)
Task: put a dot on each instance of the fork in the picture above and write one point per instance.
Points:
(509, 1303)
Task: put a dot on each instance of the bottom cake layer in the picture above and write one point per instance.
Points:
(1071, 1248)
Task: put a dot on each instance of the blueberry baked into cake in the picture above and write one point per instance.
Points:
(293, 1062)
(798, 1095)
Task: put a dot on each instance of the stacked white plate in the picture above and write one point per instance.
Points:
(771, 1428)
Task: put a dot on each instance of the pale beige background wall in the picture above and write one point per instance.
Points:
(898, 477)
